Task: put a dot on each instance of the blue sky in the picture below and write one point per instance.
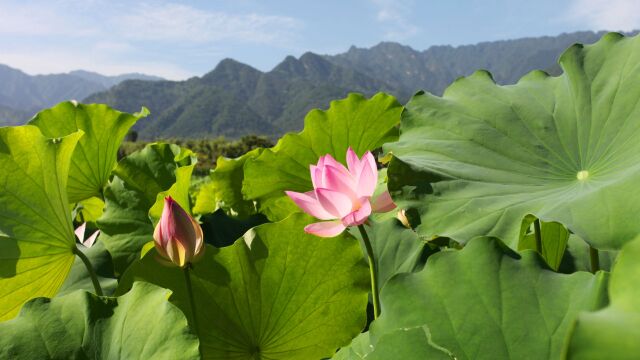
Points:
(178, 39)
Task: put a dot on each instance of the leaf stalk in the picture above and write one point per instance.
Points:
(594, 258)
(538, 235)
(372, 270)
(192, 303)
(90, 270)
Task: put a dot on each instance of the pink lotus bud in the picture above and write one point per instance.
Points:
(402, 216)
(178, 237)
(342, 194)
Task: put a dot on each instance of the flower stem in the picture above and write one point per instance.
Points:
(92, 273)
(538, 235)
(373, 270)
(594, 257)
(192, 303)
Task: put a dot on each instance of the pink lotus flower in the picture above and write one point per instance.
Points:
(178, 237)
(88, 242)
(342, 195)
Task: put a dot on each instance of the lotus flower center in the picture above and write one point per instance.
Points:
(582, 175)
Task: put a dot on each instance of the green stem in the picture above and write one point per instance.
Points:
(595, 259)
(81, 216)
(538, 235)
(373, 270)
(187, 279)
(92, 273)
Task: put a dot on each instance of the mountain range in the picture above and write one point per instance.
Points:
(22, 95)
(235, 99)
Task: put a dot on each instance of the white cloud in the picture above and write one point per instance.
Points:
(177, 22)
(45, 19)
(161, 21)
(614, 15)
(394, 15)
(113, 47)
(110, 37)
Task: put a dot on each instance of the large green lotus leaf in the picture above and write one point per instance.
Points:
(225, 189)
(79, 278)
(359, 348)
(484, 302)
(613, 332)
(396, 248)
(36, 235)
(96, 153)
(406, 344)
(480, 158)
(364, 124)
(125, 224)
(277, 293)
(139, 325)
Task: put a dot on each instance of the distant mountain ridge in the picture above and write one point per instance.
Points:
(235, 99)
(109, 81)
(435, 68)
(21, 95)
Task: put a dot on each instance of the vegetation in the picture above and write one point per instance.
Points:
(515, 234)
(207, 150)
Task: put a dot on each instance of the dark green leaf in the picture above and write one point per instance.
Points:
(406, 344)
(484, 302)
(613, 332)
(139, 325)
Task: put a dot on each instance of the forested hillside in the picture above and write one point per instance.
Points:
(235, 99)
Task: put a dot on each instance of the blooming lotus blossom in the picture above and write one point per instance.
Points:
(178, 237)
(88, 242)
(342, 194)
